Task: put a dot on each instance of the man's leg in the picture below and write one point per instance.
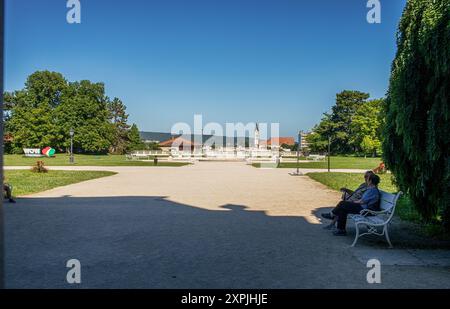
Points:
(342, 210)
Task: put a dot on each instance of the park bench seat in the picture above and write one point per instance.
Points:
(375, 220)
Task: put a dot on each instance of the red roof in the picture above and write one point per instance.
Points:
(181, 142)
(290, 141)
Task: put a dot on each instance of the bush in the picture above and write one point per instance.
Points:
(39, 167)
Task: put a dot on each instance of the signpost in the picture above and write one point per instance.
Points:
(32, 152)
(299, 145)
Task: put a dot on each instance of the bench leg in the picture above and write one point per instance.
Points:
(387, 236)
(356, 236)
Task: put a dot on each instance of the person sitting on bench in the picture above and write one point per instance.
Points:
(369, 200)
(349, 195)
(8, 191)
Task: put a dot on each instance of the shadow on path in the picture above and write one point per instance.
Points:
(152, 242)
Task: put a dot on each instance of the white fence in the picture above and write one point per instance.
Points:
(220, 154)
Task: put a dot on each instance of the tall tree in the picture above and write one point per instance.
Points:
(31, 120)
(338, 124)
(417, 131)
(366, 127)
(318, 140)
(84, 109)
(347, 103)
(120, 127)
(135, 142)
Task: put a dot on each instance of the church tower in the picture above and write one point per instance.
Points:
(257, 136)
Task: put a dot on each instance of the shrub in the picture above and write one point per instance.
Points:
(39, 167)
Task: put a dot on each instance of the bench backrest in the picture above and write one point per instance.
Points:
(388, 201)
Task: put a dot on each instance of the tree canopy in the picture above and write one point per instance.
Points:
(417, 131)
(353, 125)
(43, 112)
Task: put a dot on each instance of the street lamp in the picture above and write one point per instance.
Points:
(299, 145)
(329, 153)
(71, 132)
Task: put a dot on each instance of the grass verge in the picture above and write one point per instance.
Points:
(83, 160)
(335, 163)
(25, 182)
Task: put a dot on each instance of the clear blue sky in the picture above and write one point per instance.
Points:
(230, 60)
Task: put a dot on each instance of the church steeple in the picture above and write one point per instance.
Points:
(257, 136)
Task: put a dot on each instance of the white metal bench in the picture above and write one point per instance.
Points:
(374, 220)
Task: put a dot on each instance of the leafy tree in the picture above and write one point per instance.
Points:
(368, 145)
(30, 118)
(366, 124)
(340, 120)
(45, 87)
(317, 142)
(84, 109)
(417, 131)
(135, 139)
(43, 113)
(120, 127)
(337, 124)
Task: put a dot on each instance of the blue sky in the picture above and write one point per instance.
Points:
(229, 60)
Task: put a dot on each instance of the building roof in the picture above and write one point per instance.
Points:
(281, 140)
(180, 140)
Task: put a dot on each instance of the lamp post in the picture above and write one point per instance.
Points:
(299, 146)
(71, 132)
(329, 150)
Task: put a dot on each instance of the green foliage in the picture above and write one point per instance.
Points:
(417, 130)
(318, 142)
(353, 125)
(135, 142)
(120, 127)
(43, 113)
(340, 120)
(84, 108)
(30, 119)
(366, 127)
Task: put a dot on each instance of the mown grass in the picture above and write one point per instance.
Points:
(25, 182)
(82, 160)
(336, 162)
(405, 209)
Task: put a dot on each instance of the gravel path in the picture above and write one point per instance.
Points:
(207, 225)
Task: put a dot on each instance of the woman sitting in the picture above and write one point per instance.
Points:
(369, 200)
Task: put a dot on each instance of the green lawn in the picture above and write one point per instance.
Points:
(351, 180)
(82, 160)
(26, 182)
(335, 162)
